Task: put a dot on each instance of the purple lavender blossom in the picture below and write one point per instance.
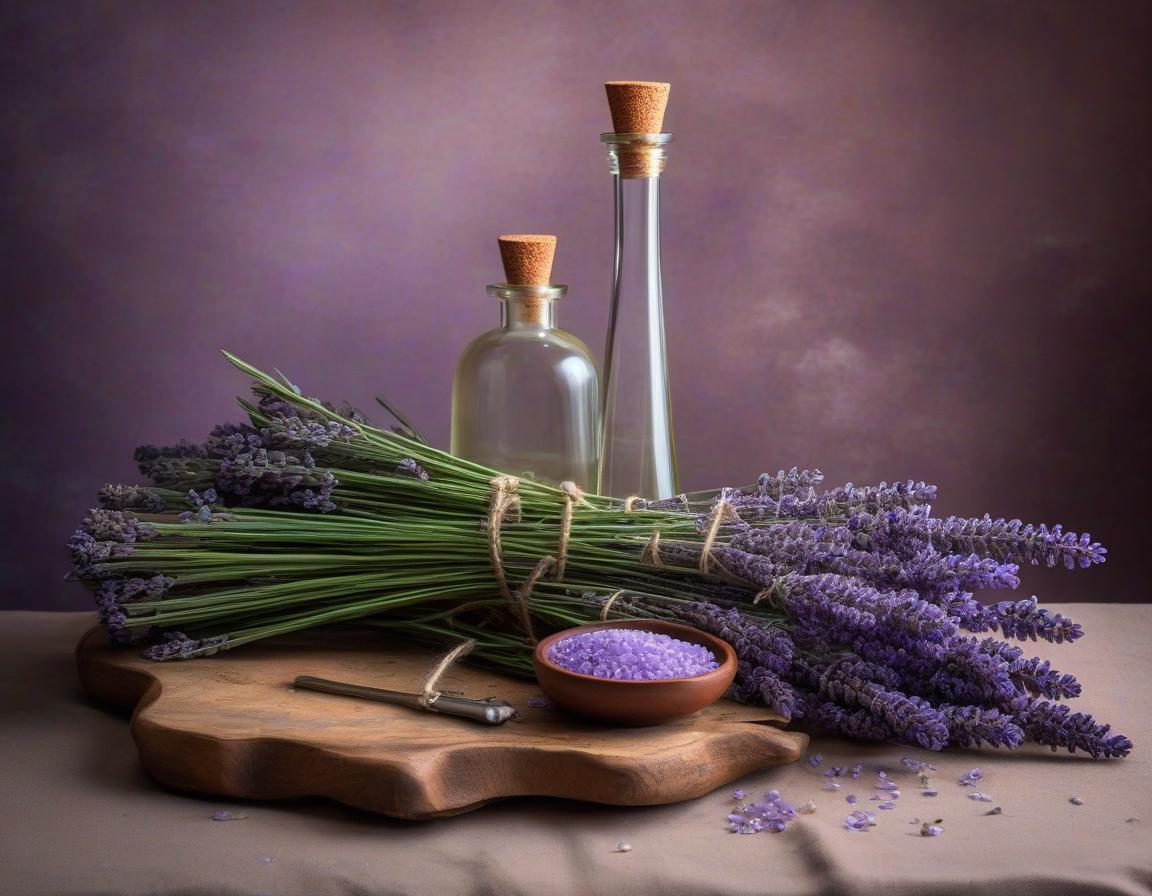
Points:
(138, 589)
(112, 615)
(858, 723)
(837, 610)
(178, 646)
(1056, 726)
(294, 432)
(221, 439)
(409, 467)
(116, 525)
(1009, 541)
(973, 726)
(1033, 676)
(89, 556)
(934, 575)
(1039, 678)
(966, 674)
(147, 455)
(755, 643)
(848, 682)
(130, 497)
(792, 482)
(1024, 620)
(757, 685)
(838, 502)
(252, 475)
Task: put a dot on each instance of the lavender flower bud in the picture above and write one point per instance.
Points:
(972, 726)
(147, 455)
(1055, 725)
(848, 683)
(858, 723)
(755, 644)
(756, 685)
(409, 467)
(1025, 620)
(130, 497)
(116, 525)
(1009, 541)
(89, 556)
(178, 646)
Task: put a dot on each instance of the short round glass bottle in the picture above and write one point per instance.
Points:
(525, 399)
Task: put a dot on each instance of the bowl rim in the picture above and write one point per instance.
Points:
(724, 669)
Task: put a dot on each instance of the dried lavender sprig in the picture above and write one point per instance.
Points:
(1025, 620)
(965, 674)
(116, 525)
(973, 726)
(90, 556)
(1037, 677)
(791, 482)
(131, 497)
(147, 455)
(756, 685)
(1056, 726)
(135, 588)
(756, 644)
(836, 503)
(837, 610)
(1009, 541)
(859, 723)
(409, 467)
(178, 646)
(850, 683)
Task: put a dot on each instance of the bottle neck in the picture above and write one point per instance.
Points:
(637, 156)
(527, 307)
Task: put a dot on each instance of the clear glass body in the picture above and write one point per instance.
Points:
(525, 399)
(638, 455)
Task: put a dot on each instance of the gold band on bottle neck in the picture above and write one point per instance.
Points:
(635, 156)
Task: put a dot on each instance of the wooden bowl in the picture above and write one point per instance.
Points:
(624, 702)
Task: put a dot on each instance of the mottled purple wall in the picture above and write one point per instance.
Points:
(902, 239)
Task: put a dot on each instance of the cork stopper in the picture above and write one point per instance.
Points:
(527, 258)
(637, 106)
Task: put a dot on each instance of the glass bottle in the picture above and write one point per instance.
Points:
(638, 454)
(525, 399)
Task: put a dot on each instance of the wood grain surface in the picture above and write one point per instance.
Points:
(233, 725)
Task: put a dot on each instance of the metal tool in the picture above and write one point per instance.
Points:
(490, 711)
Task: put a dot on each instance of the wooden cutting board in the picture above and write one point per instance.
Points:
(233, 725)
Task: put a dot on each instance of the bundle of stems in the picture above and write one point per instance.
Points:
(847, 606)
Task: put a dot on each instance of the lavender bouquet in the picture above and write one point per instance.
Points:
(850, 607)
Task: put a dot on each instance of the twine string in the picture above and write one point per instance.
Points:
(504, 500)
(428, 693)
(608, 606)
(721, 513)
(525, 593)
(572, 496)
(651, 553)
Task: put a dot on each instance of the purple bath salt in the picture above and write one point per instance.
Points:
(629, 654)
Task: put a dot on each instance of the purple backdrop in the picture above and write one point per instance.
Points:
(902, 239)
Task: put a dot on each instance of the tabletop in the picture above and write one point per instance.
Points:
(79, 816)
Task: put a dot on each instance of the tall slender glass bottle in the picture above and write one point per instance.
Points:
(525, 399)
(638, 456)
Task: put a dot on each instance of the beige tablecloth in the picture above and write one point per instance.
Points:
(79, 816)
